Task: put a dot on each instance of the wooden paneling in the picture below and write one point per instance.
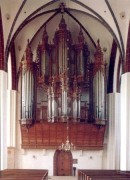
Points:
(51, 135)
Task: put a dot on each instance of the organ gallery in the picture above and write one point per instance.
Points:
(63, 84)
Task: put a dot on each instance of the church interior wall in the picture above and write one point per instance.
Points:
(13, 156)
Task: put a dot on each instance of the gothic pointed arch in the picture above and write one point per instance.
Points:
(13, 66)
(127, 62)
(3, 65)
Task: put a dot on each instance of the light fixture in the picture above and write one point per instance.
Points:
(104, 49)
(19, 48)
(122, 15)
(67, 146)
(7, 16)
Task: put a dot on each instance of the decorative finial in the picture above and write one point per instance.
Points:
(44, 36)
(98, 41)
(62, 24)
(81, 36)
(28, 41)
(29, 54)
(62, 8)
(104, 49)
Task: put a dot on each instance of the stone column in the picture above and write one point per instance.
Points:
(11, 118)
(113, 139)
(3, 120)
(11, 128)
(125, 122)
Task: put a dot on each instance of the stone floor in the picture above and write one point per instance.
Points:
(62, 178)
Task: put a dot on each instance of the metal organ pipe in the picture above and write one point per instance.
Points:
(23, 95)
(65, 103)
(100, 101)
(80, 62)
(26, 91)
(28, 95)
(27, 88)
(99, 81)
(43, 62)
(32, 95)
(95, 95)
(63, 60)
(78, 106)
(60, 58)
(75, 108)
(62, 96)
(100, 92)
(98, 96)
(49, 105)
(105, 91)
(103, 97)
(102, 106)
(53, 107)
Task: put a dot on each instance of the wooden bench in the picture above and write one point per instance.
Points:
(24, 174)
(102, 174)
(109, 178)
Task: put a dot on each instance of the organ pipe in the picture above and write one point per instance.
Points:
(27, 77)
(78, 108)
(99, 84)
(49, 104)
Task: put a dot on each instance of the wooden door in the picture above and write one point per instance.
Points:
(62, 163)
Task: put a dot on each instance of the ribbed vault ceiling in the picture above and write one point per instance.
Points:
(101, 19)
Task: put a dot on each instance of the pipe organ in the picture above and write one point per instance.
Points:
(62, 83)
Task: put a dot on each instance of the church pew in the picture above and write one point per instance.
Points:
(106, 177)
(27, 177)
(19, 178)
(103, 174)
(109, 178)
(26, 174)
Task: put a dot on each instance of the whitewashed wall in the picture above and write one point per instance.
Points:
(43, 159)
